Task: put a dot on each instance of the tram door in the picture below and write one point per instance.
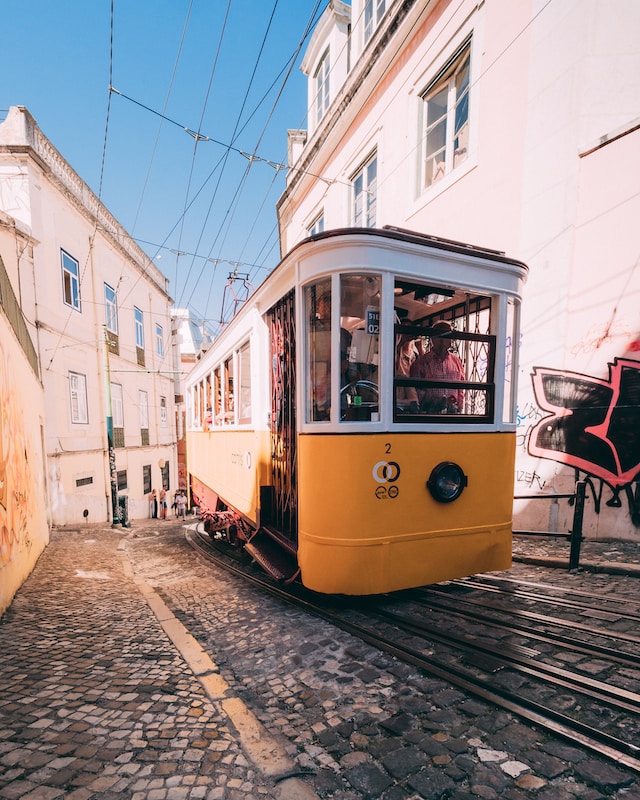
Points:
(283, 505)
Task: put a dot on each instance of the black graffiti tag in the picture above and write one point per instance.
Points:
(594, 424)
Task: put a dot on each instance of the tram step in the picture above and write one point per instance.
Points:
(271, 557)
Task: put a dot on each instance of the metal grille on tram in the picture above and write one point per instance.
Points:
(283, 416)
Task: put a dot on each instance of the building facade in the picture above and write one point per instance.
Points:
(512, 126)
(99, 314)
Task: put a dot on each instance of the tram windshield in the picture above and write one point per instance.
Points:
(443, 352)
(359, 347)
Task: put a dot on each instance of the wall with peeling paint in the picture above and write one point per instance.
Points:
(24, 528)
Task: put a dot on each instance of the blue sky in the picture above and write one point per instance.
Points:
(183, 201)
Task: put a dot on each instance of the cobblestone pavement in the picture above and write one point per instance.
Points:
(99, 699)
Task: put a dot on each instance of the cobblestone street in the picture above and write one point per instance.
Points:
(129, 668)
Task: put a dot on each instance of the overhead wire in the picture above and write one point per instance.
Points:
(197, 136)
(201, 137)
(164, 109)
(82, 272)
(233, 137)
(235, 199)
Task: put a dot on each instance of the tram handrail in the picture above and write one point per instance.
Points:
(575, 534)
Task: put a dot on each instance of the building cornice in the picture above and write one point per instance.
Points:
(24, 137)
(377, 57)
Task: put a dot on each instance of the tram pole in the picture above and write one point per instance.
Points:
(576, 530)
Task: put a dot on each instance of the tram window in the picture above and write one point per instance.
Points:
(244, 380)
(359, 347)
(200, 403)
(228, 390)
(207, 404)
(510, 377)
(217, 397)
(318, 314)
(445, 354)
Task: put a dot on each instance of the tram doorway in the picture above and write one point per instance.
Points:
(283, 514)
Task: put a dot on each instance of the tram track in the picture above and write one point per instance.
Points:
(507, 669)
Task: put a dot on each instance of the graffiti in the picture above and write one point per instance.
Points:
(526, 418)
(16, 478)
(593, 425)
(599, 335)
(530, 479)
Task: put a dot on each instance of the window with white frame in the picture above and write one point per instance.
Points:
(78, 397)
(110, 308)
(143, 405)
(163, 412)
(364, 194)
(117, 414)
(317, 226)
(139, 327)
(117, 405)
(321, 83)
(143, 410)
(446, 118)
(373, 13)
(70, 281)
(159, 340)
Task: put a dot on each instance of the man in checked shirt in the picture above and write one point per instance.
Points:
(440, 364)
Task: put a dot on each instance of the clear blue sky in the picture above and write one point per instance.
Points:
(172, 58)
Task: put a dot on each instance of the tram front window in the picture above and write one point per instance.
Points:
(359, 347)
(445, 354)
(318, 308)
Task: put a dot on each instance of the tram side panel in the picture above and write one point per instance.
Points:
(375, 527)
(232, 463)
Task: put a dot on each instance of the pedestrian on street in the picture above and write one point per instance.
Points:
(181, 502)
(163, 502)
(153, 505)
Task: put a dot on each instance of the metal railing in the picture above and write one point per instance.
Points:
(575, 534)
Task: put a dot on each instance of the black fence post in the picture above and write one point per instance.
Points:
(576, 530)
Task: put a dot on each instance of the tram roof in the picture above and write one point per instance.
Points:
(412, 237)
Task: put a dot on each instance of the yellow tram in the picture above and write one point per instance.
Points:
(353, 426)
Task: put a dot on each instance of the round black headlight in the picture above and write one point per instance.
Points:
(446, 482)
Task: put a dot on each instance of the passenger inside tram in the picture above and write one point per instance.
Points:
(451, 331)
(441, 364)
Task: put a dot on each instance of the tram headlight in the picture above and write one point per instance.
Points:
(446, 482)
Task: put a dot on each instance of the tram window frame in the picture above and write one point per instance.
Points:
(318, 307)
(216, 409)
(244, 384)
(360, 310)
(472, 400)
(509, 410)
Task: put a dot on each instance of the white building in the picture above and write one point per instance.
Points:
(513, 126)
(99, 314)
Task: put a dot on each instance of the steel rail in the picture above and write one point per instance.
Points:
(555, 722)
(560, 601)
(575, 644)
(590, 687)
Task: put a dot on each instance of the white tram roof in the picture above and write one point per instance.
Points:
(417, 256)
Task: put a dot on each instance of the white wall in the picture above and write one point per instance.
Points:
(550, 178)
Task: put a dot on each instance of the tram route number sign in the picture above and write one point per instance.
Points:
(373, 321)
